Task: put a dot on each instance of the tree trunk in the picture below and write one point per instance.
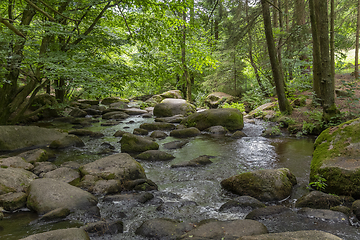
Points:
(332, 42)
(186, 77)
(316, 53)
(284, 104)
(357, 42)
(262, 88)
(326, 83)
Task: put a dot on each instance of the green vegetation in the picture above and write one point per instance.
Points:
(95, 49)
(319, 184)
(239, 106)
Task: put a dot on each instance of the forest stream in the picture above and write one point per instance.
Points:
(188, 194)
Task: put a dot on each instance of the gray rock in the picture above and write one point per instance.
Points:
(88, 101)
(230, 118)
(226, 230)
(155, 155)
(15, 162)
(217, 130)
(35, 155)
(317, 199)
(120, 105)
(140, 131)
(157, 126)
(185, 133)
(215, 99)
(266, 212)
(67, 141)
(238, 134)
(115, 115)
(43, 167)
(119, 133)
(172, 94)
(264, 185)
(131, 143)
(325, 215)
(55, 214)
(13, 201)
(72, 165)
(106, 187)
(163, 229)
(242, 203)
(298, 235)
(158, 134)
(170, 107)
(15, 180)
(175, 144)
(119, 166)
(49, 194)
(18, 137)
(64, 174)
(61, 234)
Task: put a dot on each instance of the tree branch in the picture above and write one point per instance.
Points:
(217, 2)
(12, 28)
(125, 21)
(41, 11)
(52, 9)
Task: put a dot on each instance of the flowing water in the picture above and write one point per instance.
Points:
(188, 194)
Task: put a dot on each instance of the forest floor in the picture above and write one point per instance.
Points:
(347, 101)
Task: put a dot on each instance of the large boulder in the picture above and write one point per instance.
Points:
(213, 100)
(155, 155)
(61, 234)
(67, 141)
(13, 201)
(264, 185)
(213, 229)
(49, 194)
(131, 143)
(336, 158)
(15, 180)
(119, 166)
(170, 107)
(317, 199)
(230, 118)
(110, 100)
(15, 162)
(157, 126)
(185, 133)
(18, 137)
(64, 174)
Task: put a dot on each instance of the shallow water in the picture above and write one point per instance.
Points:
(196, 190)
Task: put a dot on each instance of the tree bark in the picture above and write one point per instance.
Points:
(357, 42)
(316, 53)
(284, 104)
(186, 77)
(332, 42)
(326, 83)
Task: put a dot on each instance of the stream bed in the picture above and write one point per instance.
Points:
(187, 194)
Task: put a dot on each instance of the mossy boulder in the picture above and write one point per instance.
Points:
(35, 155)
(264, 185)
(230, 118)
(131, 143)
(67, 141)
(18, 137)
(336, 158)
(15, 162)
(13, 201)
(119, 166)
(170, 107)
(64, 174)
(317, 199)
(110, 100)
(155, 155)
(157, 126)
(15, 180)
(185, 133)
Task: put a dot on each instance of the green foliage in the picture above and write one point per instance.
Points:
(319, 184)
(254, 98)
(239, 106)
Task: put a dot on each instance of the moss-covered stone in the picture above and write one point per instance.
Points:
(131, 143)
(337, 159)
(230, 118)
(265, 185)
(170, 107)
(184, 133)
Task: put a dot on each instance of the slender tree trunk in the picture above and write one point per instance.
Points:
(251, 58)
(186, 77)
(357, 42)
(332, 42)
(326, 83)
(284, 104)
(316, 53)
